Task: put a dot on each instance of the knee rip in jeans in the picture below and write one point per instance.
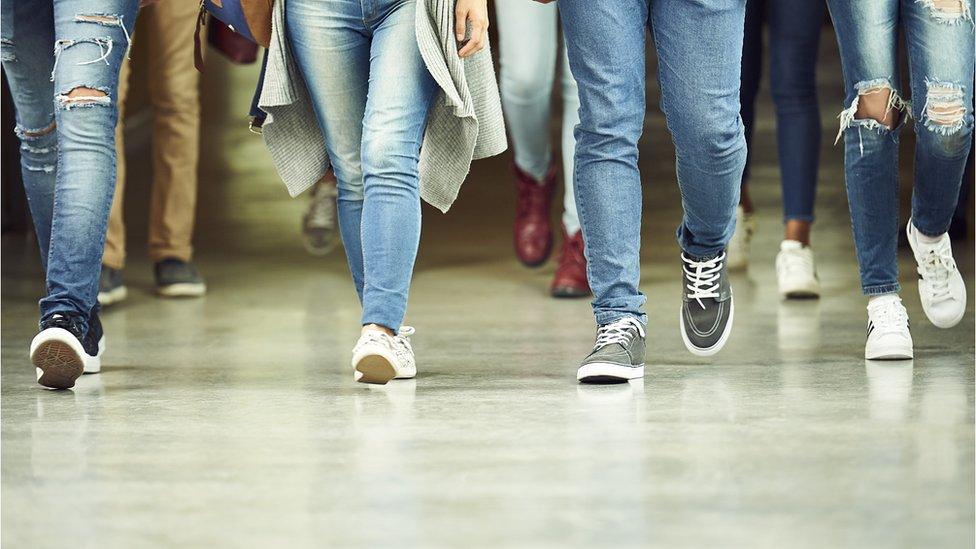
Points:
(7, 51)
(83, 96)
(949, 12)
(877, 107)
(106, 19)
(945, 109)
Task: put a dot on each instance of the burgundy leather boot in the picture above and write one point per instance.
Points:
(533, 230)
(570, 279)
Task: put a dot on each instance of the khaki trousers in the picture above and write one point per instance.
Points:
(174, 95)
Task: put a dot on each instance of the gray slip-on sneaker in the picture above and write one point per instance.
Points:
(706, 309)
(618, 354)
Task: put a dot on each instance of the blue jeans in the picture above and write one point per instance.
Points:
(941, 65)
(699, 47)
(372, 93)
(67, 144)
(528, 46)
(794, 35)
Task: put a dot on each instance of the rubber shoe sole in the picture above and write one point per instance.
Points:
(113, 296)
(605, 372)
(709, 351)
(186, 289)
(59, 358)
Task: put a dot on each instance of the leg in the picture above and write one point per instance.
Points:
(175, 98)
(794, 39)
(867, 35)
(333, 36)
(114, 256)
(605, 43)
(401, 91)
(700, 98)
(89, 49)
(527, 64)
(27, 41)
(940, 36)
(571, 105)
(752, 48)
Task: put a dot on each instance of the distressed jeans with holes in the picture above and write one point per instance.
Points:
(49, 50)
(939, 36)
(699, 48)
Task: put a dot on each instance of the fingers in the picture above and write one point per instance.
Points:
(460, 16)
(479, 33)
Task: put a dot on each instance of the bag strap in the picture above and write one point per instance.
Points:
(197, 46)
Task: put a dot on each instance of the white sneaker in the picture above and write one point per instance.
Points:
(888, 334)
(940, 286)
(738, 248)
(795, 271)
(379, 357)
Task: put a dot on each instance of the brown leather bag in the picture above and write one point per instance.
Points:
(249, 18)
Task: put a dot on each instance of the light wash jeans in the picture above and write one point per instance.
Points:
(528, 48)
(67, 145)
(941, 66)
(372, 93)
(699, 48)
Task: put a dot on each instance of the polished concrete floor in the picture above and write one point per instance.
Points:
(233, 420)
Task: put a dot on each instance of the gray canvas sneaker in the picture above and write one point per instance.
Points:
(618, 354)
(706, 308)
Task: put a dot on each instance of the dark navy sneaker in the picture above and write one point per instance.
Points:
(111, 289)
(94, 340)
(706, 309)
(618, 354)
(63, 350)
(176, 278)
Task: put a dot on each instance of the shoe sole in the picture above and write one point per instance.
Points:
(709, 351)
(801, 293)
(182, 290)
(59, 358)
(891, 354)
(604, 373)
(568, 293)
(112, 297)
(375, 369)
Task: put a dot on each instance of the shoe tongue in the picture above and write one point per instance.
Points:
(790, 245)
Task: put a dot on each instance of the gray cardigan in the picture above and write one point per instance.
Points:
(464, 124)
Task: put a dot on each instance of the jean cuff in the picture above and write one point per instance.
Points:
(604, 318)
(881, 289)
(927, 229)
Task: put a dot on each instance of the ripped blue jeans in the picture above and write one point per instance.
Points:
(939, 36)
(62, 59)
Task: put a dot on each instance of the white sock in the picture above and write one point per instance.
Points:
(883, 298)
(925, 239)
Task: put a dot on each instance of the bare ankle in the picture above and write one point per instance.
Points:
(376, 328)
(797, 229)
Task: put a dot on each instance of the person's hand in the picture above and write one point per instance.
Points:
(475, 13)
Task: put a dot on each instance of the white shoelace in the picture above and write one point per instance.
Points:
(617, 332)
(936, 267)
(888, 315)
(402, 342)
(703, 277)
(321, 212)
